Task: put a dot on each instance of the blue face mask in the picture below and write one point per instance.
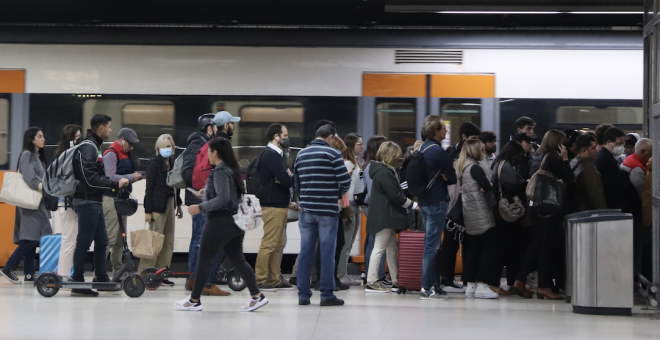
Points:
(165, 152)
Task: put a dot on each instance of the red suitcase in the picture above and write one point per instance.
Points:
(411, 252)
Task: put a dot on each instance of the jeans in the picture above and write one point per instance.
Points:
(221, 233)
(91, 227)
(26, 249)
(434, 217)
(199, 221)
(315, 227)
(368, 248)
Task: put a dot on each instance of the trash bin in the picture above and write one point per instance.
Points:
(602, 264)
(568, 227)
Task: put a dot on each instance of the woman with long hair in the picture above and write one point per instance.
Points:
(511, 234)
(352, 224)
(388, 214)
(483, 254)
(161, 202)
(29, 225)
(547, 235)
(67, 219)
(222, 195)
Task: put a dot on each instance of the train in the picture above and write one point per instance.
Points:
(384, 90)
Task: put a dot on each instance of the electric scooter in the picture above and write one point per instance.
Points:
(153, 277)
(49, 284)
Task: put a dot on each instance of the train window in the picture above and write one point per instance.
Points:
(396, 120)
(596, 115)
(455, 113)
(4, 133)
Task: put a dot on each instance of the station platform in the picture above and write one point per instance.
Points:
(24, 314)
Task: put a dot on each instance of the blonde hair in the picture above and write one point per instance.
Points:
(472, 148)
(162, 141)
(388, 152)
(417, 145)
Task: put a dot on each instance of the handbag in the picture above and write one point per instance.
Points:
(456, 212)
(509, 212)
(15, 191)
(548, 193)
(146, 243)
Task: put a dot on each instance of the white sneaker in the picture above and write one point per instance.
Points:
(255, 303)
(484, 292)
(186, 304)
(470, 288)
(454, 287)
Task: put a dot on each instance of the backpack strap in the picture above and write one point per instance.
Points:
(428, 187)
(499, 176)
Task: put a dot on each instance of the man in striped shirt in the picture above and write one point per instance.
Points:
(321, 179)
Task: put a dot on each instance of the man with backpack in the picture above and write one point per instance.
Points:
(207, 130)
(88, 170)
(438, 172)
(118, 164)
(272, 189)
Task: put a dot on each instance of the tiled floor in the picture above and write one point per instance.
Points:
(24, 314)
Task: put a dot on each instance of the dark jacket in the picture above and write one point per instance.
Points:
(387, 203)
(512, 183)
(118, 164)
(157, 192)
(195, 142)
(613, 182)
(272, 167)
(525, 167)
(588, 191)
(435, 158)
(89, 171)
(220, 195)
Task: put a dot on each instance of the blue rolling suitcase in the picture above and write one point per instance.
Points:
(49, 253)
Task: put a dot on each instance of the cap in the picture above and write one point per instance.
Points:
(129, 135)
(205, 120)
(224, 117)
(521, 136)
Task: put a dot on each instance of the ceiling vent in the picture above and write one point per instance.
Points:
(428, 56)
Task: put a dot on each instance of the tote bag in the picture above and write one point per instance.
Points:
(16, 192)
(146, 243)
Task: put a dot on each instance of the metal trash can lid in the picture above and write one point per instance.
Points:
(602, 218)
(590, 213)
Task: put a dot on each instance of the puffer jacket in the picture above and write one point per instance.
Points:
(477, 214)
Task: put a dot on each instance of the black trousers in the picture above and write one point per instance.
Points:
(512, 238)
(445, 259)
(546, 252)
(221, 233)
(483, 262)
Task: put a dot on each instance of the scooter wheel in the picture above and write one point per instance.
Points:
(134, 287)
(151, 280)
(235, 281)
(47, 285)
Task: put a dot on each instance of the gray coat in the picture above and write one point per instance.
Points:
(30, 225)
(388, 203)
(477, 215)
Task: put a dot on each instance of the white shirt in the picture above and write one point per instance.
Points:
(490, 160)
(270, 145)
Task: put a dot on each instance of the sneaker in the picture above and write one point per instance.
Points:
(453, 287)
(363, 277)
(470, 289)
(28, 278)
(168, 283)
(266, 288)
(189, 284)
(255, 303)
(340, 286)
(188, 304)
(533, 281)
(386, 282)
(334, 301)
(376, 287)
(349, 282)
(84, 292)
(303, 302)
(293, 280)
(10, 275)
(214, 291)
(285, 285)
(484, 292)
(395, 288)
(432, 294)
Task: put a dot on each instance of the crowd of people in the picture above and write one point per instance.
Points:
(331, 188)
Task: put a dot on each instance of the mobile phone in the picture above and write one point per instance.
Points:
(197, 193)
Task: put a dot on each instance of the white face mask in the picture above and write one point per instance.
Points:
(618, 150)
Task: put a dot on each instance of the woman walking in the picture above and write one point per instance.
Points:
(67, 219)
(387, 215)
(160, 201)
(29, 225)
(222, 195)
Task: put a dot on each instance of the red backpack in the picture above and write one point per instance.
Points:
(202, 168)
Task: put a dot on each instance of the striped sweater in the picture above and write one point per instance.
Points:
(321, 178)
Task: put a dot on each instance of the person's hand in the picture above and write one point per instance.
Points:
(201, 194)
(179, 212)
(444, 177)
(123, 182)
(288, 171)
(293, 206)
(194, 209)
(137, 176)
(351, 172)
(148, 217)
(481, 189)
(563, 153)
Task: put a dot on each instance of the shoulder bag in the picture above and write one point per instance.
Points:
(15, 191)
(548, 193)
(509, 212)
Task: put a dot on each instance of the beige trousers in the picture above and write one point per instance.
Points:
(162, 223)
(115, 243)
(385, 240)
(267, 267)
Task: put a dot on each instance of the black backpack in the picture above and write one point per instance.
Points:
(416, 173)
(253, 180)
